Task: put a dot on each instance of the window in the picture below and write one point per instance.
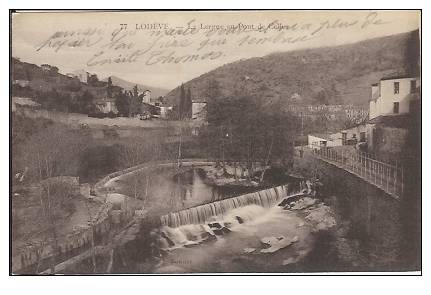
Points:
(362, 137)
(396, 107)
(396, 87)
(413, 86)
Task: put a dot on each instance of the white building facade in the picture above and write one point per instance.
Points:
(322, 140)
(82, 75)
(146, 98)
(392, 96)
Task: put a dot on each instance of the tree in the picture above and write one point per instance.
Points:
(188, 104)
(135, 91)
(135, 102)
(109, 87)
(85, 102)
(51, 152)
(182, 103)
(122, 101)
(137, 151)
(321, 98)
(93, 80)
(243, 129)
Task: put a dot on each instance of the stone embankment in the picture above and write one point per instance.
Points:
(106, 223)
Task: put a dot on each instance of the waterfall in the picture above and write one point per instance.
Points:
(201, 214)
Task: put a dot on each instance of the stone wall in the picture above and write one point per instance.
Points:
(68, 246)
(374, 219)
(389, 142)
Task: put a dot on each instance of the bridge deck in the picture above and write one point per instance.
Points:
(386, 177)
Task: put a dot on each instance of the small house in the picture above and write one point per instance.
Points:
(321, 141)
(106, 105)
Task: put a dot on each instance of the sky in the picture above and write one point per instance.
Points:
(165, 49)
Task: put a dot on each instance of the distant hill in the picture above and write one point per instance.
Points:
(55, 91)
(328, 75)
(155, 92)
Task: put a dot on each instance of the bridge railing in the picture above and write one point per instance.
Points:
(388, 177)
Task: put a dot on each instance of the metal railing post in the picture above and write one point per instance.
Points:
(387, 180)
(402, 180)
(342, 157)
(395, 180)
(366, 167)
(375, 173)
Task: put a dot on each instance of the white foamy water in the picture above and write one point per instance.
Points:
(207, 248)
(203, 213)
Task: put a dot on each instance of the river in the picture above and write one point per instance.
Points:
(328, 233)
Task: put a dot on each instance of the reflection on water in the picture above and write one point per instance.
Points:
(166, 190)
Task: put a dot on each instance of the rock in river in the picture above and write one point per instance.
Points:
(221, 231)
(321, 217)
(277, 243)
(290, 261)
(215, 225)
(249, 250)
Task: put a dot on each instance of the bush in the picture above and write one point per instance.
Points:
(111, 115)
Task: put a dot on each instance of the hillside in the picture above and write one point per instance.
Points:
(155, 92)
(329, 75)
(55, 91)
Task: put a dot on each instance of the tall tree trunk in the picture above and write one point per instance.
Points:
(267, 159)
(111, 261)
(249, 166)
(180, 145)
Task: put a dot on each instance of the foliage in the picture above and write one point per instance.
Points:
(135, 102)
(136, 151)
(98, 160)
(183, 109)
(52, 151)
(243, 129)
(188, 104)
(109, 87)
(56, 199)
(122, 101)
(23, 128)
(73, 86)
(330, 75)
(85, 103)
(182, 106)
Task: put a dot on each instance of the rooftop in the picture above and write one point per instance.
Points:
(24, 101)
(322, 136)
(395, 77)
(397, 121)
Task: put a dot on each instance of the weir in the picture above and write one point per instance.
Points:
(201, 214)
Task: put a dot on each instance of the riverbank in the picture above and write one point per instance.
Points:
(363, 236)
(370, 233)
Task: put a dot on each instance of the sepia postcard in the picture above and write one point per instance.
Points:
(215, 142)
